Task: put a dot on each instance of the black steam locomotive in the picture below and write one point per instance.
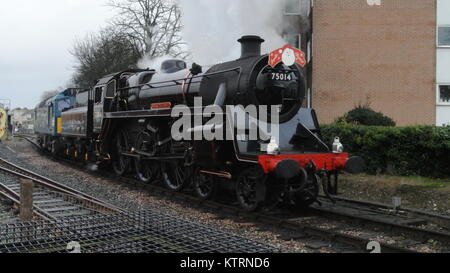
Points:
(126, 121)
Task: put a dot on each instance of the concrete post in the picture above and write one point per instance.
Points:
(26, 200)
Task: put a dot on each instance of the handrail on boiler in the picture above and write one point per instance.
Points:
(180, 81)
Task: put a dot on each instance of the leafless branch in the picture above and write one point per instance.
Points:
(98, 55)
(154, 26)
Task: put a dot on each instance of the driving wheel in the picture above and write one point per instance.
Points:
(205, 185)
(120, 162)
(146, 170)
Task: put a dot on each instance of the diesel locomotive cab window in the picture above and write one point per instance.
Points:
(444, 93)
(444, 36)
(63, 105)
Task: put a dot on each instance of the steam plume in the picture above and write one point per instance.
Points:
(212, 27)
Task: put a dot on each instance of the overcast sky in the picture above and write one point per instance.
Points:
(35, 39)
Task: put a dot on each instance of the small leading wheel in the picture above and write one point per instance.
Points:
(205, 185)
(250, 189)
(309, 194)
(120, 163)
(174, 175)
(146, 170)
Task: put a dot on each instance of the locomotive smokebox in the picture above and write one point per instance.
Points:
(250, 46)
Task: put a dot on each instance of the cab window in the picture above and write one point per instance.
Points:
(98, 94)
(111, 89)
(63, 105)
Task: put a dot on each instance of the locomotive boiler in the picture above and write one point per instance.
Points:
(126, 121)
(245, 81)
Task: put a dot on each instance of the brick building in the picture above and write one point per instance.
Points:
(391, 54)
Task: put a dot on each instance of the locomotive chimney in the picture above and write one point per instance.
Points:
(250, 46)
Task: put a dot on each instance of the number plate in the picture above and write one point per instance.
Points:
(279, 76)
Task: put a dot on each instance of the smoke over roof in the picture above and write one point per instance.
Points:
(211, 27)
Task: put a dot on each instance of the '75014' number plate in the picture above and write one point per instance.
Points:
(277, 76)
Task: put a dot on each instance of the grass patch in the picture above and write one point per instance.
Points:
(415, 191)
(395, 180)
(432, 184)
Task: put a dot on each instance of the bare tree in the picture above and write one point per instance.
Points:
(101, 54)
(153, 26)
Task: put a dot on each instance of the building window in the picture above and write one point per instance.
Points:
(297, 7)
(444, 36)
(292, 7)
(294, 40)
(444, 94)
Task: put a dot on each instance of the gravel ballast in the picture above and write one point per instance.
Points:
(131, 198)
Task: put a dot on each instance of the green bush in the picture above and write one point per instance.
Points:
(364, 115)
(419, 150)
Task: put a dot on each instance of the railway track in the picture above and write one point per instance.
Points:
(361, 215)
(400, 212)
(299, 228)
(7, 212)
(422, 224)
(72, 219)
(51, 200)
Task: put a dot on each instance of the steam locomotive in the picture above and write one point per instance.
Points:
(126, 121)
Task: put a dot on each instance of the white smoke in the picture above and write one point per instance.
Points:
(152, 62)
(211, 28)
